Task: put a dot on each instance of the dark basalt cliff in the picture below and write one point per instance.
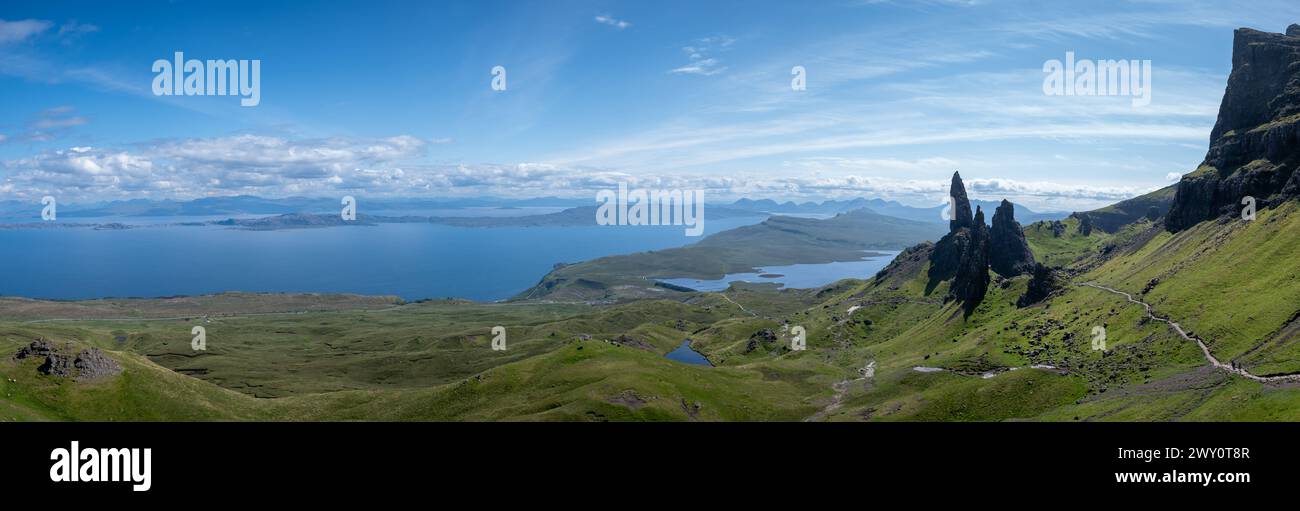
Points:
(1009, 253)
(1255, 144)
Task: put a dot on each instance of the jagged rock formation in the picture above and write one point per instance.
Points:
(1009, 253)
(1058, 228)
(1044, 282)
(961, 216)
(972, 279)
(1255, 144)
(1085, 223)
(963, 253)
(87, 365)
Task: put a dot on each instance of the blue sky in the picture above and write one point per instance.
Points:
(394, 98)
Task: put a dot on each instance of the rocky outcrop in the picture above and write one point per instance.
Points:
(1009, 253)
(1044, 282)
(961, 216)
(1058, 228)
(1085, 223)
(963, 254)
(972, 279)
(762, 337)
(86, 365)
(632, 342)
(1255, 144)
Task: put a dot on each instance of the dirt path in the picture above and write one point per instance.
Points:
(1204, 349)
(742, 307)
(842, 388)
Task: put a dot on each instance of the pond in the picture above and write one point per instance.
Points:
(686, 355)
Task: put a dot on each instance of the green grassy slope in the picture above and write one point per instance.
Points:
(429, 361)
(886, 348)
(1236, 284)
(1111, 218)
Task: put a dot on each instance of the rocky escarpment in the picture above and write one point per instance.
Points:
(1255, 144)
(1009, 253)
(86, 365)
(963, 254)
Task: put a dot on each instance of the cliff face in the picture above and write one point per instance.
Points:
(1255, 144)
(1009, 253)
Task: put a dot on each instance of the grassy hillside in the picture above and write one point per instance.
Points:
(886, 348)
(422, 362)
(1149, 206)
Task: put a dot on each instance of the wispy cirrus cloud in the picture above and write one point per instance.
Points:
(701, 56)
(22, 30)
(613, 22)
(73, 29)
(48, 125)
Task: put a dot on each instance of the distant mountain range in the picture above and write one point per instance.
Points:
(253, 205)
(883, 207)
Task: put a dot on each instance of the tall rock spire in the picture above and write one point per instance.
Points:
(961, 216)
(962, 255)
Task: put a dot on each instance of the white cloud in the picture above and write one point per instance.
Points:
(73, 29)
(18, 31)
(701, 63)
(611, 21)
(1173, 176)
(278, 167)
(213, 166)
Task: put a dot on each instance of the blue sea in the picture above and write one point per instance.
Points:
(413, 261)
